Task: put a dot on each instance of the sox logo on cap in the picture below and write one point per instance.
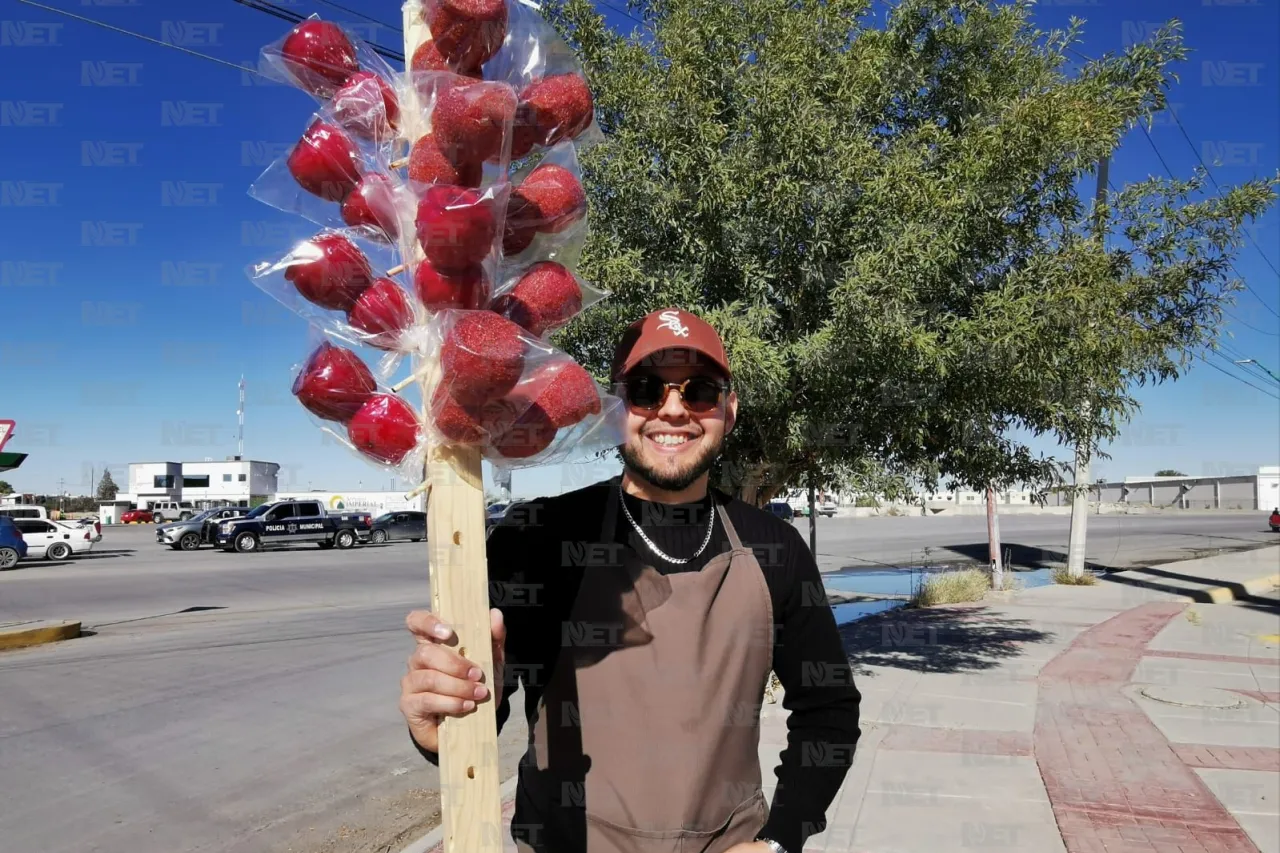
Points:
(671, 320)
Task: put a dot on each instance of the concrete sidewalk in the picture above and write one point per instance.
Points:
(1107, 719)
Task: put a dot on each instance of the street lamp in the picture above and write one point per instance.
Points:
(1254, 362)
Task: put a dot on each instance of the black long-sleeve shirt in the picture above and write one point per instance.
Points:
(535, 559)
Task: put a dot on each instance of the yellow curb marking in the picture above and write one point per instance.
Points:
(47, 632)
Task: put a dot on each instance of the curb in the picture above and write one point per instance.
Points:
(435, 838)
(1226, 592)
(1245, 589)
(21, 635)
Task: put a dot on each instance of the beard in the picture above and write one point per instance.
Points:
(671, 479)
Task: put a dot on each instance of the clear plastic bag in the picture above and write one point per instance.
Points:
(543, 297)
(337, 286)
(321, 171)
(336, 67)
(521, 401)
(343, 399)
(546, 214)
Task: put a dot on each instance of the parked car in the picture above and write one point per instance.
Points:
(12, 546)
(495, 513)
(172, 511)
(827, 507)
(200, 529)
(781, 509)
(53, 540)
(136, 516)
(1274, 521)
(293, 523)
(24, 511)
(402, 524)
(94, 523)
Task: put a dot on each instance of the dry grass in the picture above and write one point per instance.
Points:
(1064, 577)
(952, 588)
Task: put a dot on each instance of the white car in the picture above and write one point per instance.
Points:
(54, 540)
(827, 507)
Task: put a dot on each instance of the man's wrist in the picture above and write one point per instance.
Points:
(773, 845)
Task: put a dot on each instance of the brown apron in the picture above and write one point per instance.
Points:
(646, 738)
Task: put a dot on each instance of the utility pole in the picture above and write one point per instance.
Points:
(993, 538)
(1080, 495)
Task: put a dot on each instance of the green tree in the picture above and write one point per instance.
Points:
(1169, 472)
(891, 223)
(107, 488)
(5, 488)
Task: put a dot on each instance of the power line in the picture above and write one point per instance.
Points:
(342, 8)
(294, 18)
(122, 31)
(1237, 378)
(1214, 181)
(1249, 326)
(621, 12)
(1169, 171)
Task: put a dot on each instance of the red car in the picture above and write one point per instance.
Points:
(134, 516)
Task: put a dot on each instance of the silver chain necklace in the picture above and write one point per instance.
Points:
(654, 548)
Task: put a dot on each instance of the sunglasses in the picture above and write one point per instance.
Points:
(700, 394)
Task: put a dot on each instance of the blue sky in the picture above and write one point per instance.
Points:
(128, 318)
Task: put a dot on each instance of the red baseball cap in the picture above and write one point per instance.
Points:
(668, 329)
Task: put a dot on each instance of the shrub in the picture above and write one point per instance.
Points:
(1062, 576)
(952, 588)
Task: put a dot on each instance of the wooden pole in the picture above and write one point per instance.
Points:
(470, 800)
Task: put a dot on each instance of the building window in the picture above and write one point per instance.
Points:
(226, 478)
(195, 482)
(241, 478)
(163, 481)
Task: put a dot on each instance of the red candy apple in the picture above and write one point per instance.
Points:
(372, 206)
(325, 162)
(455, 226)
(549, 200)
(385, 428)
(429, 58)
(545, 298)
(467, 288)
(551, 109)
(565, 391)
(429, 164)
(329, 271)
(470, 118)
(319, 56)
(467, 32)
(383, 311)
(517, 427)
(334, 383)
(482, 357)
(367, 106)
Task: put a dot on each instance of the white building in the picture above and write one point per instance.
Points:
(232, 481)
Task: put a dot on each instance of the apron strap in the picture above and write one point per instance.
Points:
(728, 525)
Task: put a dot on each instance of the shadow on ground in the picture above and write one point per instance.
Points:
(937, 639)
(1238, 591)
(1024, 556)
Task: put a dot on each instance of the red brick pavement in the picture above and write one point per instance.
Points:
(1215, 757)
(1114, 782)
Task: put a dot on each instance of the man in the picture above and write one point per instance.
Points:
(652, 610)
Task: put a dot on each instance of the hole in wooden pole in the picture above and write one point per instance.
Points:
(471, 773)
(457, 537)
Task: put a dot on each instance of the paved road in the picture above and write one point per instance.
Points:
(271, 725)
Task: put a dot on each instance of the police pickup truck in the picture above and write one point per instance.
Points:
(287, 523)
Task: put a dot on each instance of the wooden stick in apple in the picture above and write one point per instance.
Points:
(469, 785)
